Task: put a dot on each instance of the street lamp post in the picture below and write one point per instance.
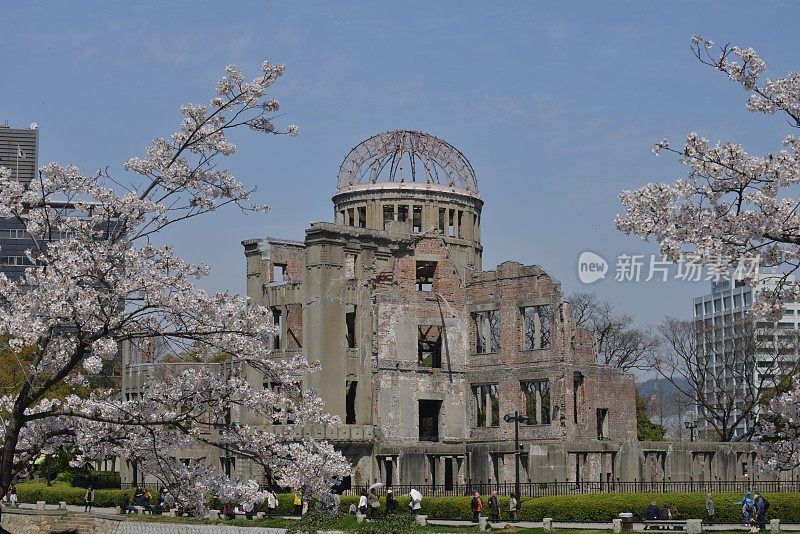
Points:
(690, 425)
(517, 418)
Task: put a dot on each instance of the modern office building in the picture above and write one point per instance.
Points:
(19, 152)
(738, 354)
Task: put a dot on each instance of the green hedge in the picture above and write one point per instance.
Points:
(594, 507)
(31, 492)
(605, 507)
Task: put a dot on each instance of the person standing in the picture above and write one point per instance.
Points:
(272, 502)
(337, 502)
(391, 503)
(88, 499)
(416, 502)
(298, 504)
(710, 507)
(494, 507)
(362, 503)
(13, 496)
(374, 504)
(477, 507)
(512, 508)
(306, 498)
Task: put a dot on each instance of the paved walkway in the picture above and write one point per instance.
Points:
(638, 527)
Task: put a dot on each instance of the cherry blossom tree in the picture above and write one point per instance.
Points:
(99, 279)
(736, 207)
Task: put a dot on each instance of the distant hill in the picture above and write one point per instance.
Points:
(663, 398)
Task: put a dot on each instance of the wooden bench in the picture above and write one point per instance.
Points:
(664, 524)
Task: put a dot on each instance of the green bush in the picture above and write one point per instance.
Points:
(391, 524)
(608, 506)
(313, 522)
(60, 491)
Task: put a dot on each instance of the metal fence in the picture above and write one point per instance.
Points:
(548, 489)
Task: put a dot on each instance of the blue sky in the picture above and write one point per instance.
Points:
(556, 106)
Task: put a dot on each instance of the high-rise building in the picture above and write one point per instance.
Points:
(19, 152)
(739, 355)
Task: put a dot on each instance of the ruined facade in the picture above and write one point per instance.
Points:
(422, 352)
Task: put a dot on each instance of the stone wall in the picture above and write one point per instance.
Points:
(18, 521)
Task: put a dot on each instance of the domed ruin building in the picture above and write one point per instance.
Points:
(422, 351)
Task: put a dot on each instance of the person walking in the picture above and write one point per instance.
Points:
(512, 508)
(760, 505)
(710, 508)
(306, 498)
(13, 496)
(476, 504)
(88, 499)
(494, 507)
(747, 508)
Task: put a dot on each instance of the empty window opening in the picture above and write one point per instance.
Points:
(388, 215)
(425, 273)
(351, 217)
(602, 423)
(228, 464)
(429, 346)
(350, 402)
(536, 327)
(350, 323)
(429, 420)
(451, 226)
(432, 468)
(577, 395)
(487, 329)
(294, 326)
(487, 405)
(388, 471)
(449, 473)
(277, 322)
(460, 224)
(442, 217)
(402, 213)
(278, 272)
(362, 216)
(416, 223)
(537, 401)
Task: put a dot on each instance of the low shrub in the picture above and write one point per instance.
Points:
(608, 506)
(60, 491)
(392, 524)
